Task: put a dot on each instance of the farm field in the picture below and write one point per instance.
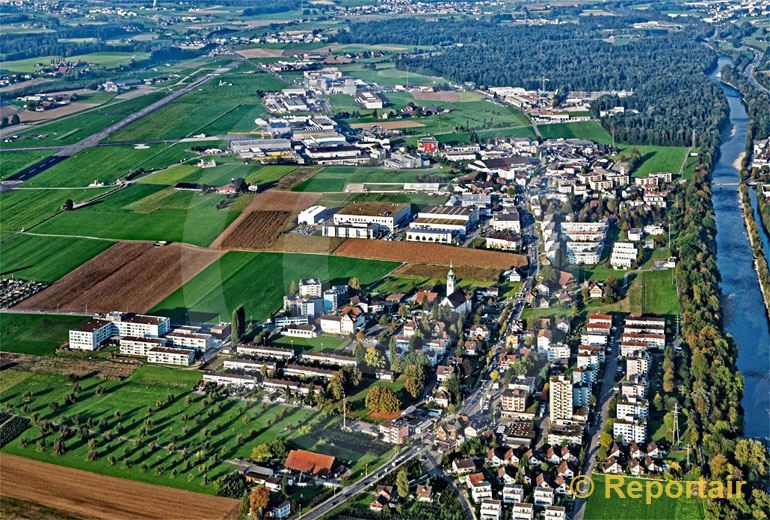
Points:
(23, 209)
(591, 130)
(70, 129)
(600, 508)
(105, 165)
(223, 173)
(233, 280)
(657, 158)
(14, 162)
(258, 229)
(178, 421)
(130, 276)
(77, 492)
(440, 254)
(35, 333)
(148, 212)
(334, 178)
(46, 259)
(228, 103)
(103, 59)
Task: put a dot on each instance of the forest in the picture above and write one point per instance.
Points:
(666, 70)
(757, 102)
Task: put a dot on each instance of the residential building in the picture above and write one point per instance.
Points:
(171, 356)
(630, 431)
(560, 398)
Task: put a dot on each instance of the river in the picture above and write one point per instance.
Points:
(742, 304)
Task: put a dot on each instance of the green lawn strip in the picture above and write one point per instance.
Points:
(334, 178)
(149, 212)
(13, 162)
(321, 343)
(173, 451)
(590, 130)
(599, 507)
(22, 209)
(37, 334)
(46, 259)
(104, 59)
(233, 280)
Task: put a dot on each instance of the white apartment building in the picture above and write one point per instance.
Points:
(557, 351)
(311, 288)
(507, 222)
(651, 340)
(554, 513)
(624, 254)
(249, 365)
(265, 352)
(630, 431)
(632, 408)
(96, 331)
(230, 380)
(513, 493)
(91, 334)
(131, 346)
(171, 356)
(560, 398)
(522, 511)
(198, 341)
(637, 364)
(490, 509)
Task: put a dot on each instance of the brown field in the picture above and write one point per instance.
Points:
(445, 95)
(299, 175)
(258, 229)
(68, 366)
(30, 116)
(261, 53)
(440, 254)
(477, 274)
(297, 243)
(98, 496)
(129, 276)
(389, 125)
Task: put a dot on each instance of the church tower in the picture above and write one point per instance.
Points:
(450, 281)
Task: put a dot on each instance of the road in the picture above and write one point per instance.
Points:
(595, 429)
(94, 139)
(751, 71)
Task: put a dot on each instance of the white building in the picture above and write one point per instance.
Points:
(311, 215)
(171, 356)
(630, 431)
(131, 346)
(311, 288)
(93, 333)
(560, 398)
(383, 215)
(184, 338)
(490, 509)
(522, 511)
(624, 254)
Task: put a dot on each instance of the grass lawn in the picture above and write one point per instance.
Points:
(334, 178)
(13, 162)
(321, 343)
(337, 199)
(46, 259)
(406, 283)
(150, 212)
(188, 434)
(105, 164)
(656, 291)
(226, 170)
(229, 103)
(103, 59)
(258, 281)
(35, 333)
(658, 159)
(599, 507)
(70, 129)
(386, 75)
(590, 130)
(22, 209)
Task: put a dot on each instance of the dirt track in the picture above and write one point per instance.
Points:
(129, 276)
(92, 495)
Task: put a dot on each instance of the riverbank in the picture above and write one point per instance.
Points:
(760, 260)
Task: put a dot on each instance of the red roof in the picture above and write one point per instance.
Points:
(309, 462)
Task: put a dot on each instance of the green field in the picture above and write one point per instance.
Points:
(37, 334)
(258, 281)
(590, 130)
(334, 178)
(598, 507)
(657, 158)
(46, 259)
(22, 209)
(338, 200)
(228, 103)
(14, 162)
(656, 291)
(226, 170)
(167, 435)
(149, 212)
(106, 164)
(70, 129)
(388, 76)
(103, 59)
(322, 343)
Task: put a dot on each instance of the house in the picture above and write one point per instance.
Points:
(347, 322)
(444, 372)
(424, 493)
(544, 340)
(513, 493)
(596, 290)
(303, 461)
(490, 509)
(522, 511)
(635, 468)
(555, 513)
(442, 398)
(480, 488)
(463, 466)
(543, 496)
(282, 510)
(611, 466)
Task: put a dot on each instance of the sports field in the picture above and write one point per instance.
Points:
(150, 212)
(37, 334)
(228, 103)
(599, 507)
(14, 162)
(590, 130)
(46, 259)
(167, 435)
(334, 178)
(70, 129)
(258, 281)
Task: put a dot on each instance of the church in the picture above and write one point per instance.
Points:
(456, 299)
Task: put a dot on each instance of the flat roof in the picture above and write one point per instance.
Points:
(447, 210)
(92, 325)
(378, 209)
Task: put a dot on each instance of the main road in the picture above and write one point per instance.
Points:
(95, 138)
